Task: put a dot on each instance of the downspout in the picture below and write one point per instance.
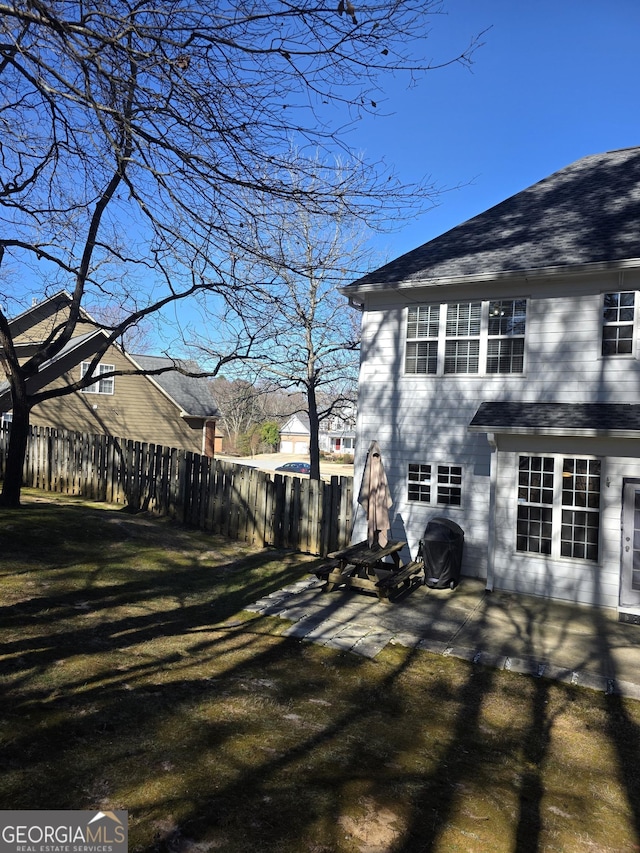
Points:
(492, 511)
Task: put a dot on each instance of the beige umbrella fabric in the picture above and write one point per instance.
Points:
(375, 497)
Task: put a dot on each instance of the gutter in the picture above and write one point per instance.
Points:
(494, 276)
(555, 431)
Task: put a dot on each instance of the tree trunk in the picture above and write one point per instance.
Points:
(314, 430)
(18, 438)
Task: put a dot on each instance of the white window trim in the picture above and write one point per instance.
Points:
(557, 508)
(634, 332)
(482, 337)
(95, 387)
(433, 485)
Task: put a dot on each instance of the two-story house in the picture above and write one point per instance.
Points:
(338, 432)
(500, 374)
(170, 407)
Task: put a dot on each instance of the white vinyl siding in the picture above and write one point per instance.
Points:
(421, 418)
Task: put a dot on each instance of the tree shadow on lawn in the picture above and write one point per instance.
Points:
(145, 689)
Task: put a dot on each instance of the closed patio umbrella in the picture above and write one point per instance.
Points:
(375, 497)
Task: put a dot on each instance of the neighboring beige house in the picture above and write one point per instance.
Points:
(169, 409)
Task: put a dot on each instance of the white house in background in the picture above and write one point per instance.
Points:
(294, 435)
(500, 374)
(338, 433)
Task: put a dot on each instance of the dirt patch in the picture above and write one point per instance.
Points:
(375, 831)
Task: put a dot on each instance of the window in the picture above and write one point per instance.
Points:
(439, 484)
(617, 323)
(505, 345)
(449, 484)
(423, 322)
(580, 508)
(559, 506)
(419, 483)
(6, 418)
(535, 504)
(462, 344)
(102, 386)
(466, 338)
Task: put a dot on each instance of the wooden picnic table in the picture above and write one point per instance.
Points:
(362, 566)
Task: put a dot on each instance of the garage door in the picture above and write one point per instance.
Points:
(286, 447)
(301, 447)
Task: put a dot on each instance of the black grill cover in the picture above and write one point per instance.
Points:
(441, 552)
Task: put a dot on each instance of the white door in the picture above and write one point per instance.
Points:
(630, 564)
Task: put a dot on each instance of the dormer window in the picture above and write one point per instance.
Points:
(618, 318)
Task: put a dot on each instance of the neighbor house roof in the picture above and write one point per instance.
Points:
(587, 419)
(191, 393)
(585, 214)
(297, 424)
(81, 348)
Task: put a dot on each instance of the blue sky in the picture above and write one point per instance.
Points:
(554, 81)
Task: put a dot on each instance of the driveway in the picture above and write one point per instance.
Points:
(270, 461)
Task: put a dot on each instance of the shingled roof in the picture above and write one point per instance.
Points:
(585, 214)
(621, 419)
(193, 394)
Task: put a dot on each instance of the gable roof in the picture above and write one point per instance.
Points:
(586, 419)
(192, 394)
(75, 351)
(39, 311)
(298, 424)
(585, 214)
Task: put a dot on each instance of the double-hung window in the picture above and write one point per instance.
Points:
(462, 344)
(505, 344)
(435, 484)
(466, 337)
(559, 506)
(618, 316)
(423, 324)
(102, 386)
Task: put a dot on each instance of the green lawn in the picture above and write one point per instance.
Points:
(132, 679)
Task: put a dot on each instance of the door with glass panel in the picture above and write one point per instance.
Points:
(630, 566)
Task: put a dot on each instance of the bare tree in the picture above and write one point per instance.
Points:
(130, 132)
(309, 335)
(238, 402)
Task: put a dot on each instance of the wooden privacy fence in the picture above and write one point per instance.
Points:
(236, 501)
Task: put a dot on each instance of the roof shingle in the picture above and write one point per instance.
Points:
(557, 418)
(193, 394)
(586, 213)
